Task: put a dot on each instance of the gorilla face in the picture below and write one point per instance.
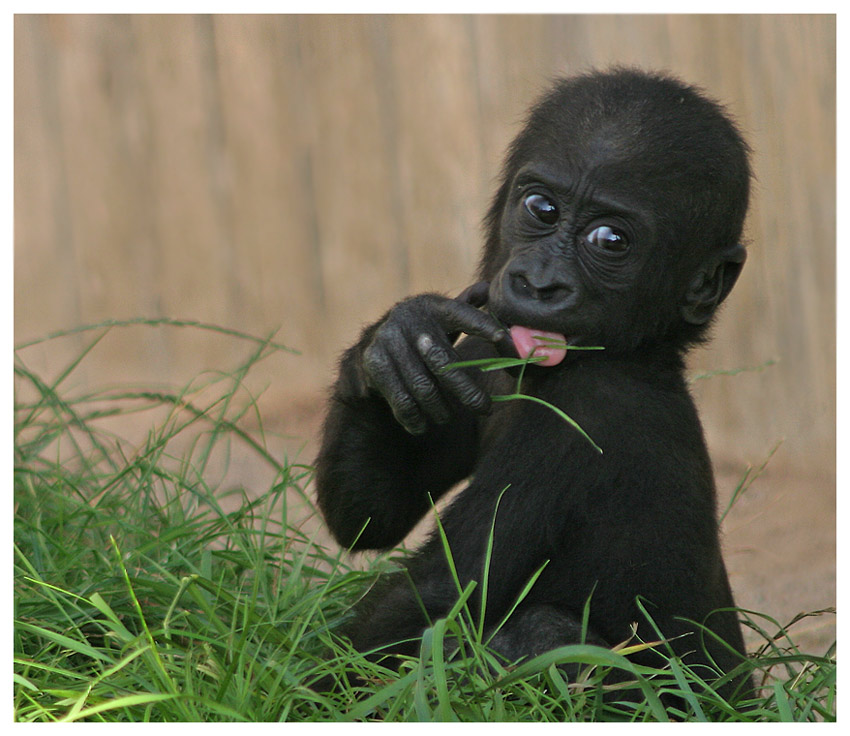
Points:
(618, 220)
(575, 251)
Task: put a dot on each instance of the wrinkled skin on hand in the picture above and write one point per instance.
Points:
(406, 361)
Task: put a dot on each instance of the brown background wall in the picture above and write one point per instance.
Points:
(304, 172)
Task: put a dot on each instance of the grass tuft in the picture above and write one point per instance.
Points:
(146, 591)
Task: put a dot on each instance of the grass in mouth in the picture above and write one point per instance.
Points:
(495, 364)
(146, 591)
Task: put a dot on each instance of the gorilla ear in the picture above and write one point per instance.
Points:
(712, 284)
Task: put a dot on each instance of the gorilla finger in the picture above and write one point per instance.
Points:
(424, 387)
(405, 407)
(475, 295)
(384, 377)
(455, 315)
(454, 381)
(414, 382)
(429, 398)
(505, 346)
(377, 367)
(408, 414)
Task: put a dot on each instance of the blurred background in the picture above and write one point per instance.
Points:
(299, 174)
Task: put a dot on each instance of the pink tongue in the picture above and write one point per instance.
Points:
(525, 341)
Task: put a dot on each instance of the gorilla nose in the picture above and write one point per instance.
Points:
(553, 291)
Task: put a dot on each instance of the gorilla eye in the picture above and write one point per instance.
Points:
(608, 238)
(542, 208)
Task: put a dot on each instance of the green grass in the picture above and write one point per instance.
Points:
(146, 592)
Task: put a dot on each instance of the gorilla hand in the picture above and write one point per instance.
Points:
(406, 359)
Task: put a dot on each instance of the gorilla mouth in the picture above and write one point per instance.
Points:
(550, 345)
(527, 341)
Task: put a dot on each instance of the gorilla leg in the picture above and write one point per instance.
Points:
(536, 629)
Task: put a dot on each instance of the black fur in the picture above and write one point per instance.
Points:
(666, 172)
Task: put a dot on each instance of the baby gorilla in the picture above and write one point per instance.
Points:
(617, 225)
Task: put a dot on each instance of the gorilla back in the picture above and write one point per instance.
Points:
(617, 225)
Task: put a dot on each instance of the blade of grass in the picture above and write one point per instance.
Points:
(65, 642)
(116, 704)
(488, 554)
(569, 420)
(155, 322)
(166, 680)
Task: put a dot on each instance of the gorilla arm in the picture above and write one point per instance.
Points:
(400, 430)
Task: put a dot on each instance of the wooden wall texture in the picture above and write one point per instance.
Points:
(304, 172)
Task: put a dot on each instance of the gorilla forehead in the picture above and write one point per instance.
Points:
(656, 125)
(646, 138)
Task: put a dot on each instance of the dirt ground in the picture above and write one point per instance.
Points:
(779, 539)
(780, 549)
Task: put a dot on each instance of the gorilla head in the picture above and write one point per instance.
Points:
(623, 190)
